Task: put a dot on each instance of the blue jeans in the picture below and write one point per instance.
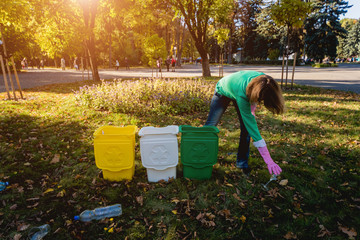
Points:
(218, 106)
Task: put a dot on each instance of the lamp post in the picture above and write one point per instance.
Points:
(175, 52)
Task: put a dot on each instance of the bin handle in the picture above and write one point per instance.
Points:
(201, 130)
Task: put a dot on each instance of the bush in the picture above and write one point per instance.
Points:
(273, 54)
(149, 96)
(267, 62)
(321, 65)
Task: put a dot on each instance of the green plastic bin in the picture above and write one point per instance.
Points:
(199, 149)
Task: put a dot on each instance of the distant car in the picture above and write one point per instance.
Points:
(309, 61)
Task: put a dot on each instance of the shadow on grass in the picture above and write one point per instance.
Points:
(47, 162)
(62, 88)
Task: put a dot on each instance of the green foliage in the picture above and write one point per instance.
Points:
(273, 54)
(254, 44)
(322, 65)
(323, 27)
(60, 33)
(222, 35)
(290, 13)
(152, 96)
(14, 13)
(269, 62)
(154, 48)
(352, 45)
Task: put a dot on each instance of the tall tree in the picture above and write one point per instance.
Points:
(323, 27)
(197, 16)
(352, 46)
(89, 9)
(58, 29)
(347, 24)
(290, 14)
(154, 48)
(253, 44)
(12, 22)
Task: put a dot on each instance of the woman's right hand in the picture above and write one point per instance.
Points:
(253, 108)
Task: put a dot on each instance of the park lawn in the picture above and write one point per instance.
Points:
(47, 156)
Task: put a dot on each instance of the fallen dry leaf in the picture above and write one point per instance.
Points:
(17, 236)
(33, 206)
(140, 200)
(23, 227)
(13, 207)
(48, 190)
(283, 182)
(290, 235)
(20, 189)
(323, 231)
(56, 158)
(61, 193)
(350, 232)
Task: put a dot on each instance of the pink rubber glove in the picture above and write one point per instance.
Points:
(253, 107)
(272, 167)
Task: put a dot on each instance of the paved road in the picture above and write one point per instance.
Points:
(346, 77)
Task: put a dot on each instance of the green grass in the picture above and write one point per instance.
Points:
(316, 142)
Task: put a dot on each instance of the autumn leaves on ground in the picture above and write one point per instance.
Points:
(47, 156)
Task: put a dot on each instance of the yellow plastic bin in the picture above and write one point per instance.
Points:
(114, 149)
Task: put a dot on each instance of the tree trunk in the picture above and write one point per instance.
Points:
(55, 62)
(204, 59)
(181, 45)
(167, 39)
(89, 12)
(93, 62)
(206, 67)
(110, 57)
(229, 56)
(177, 42)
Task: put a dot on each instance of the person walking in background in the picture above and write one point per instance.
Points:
(173, 62)
(62, 63)
(158, 63)
(76, 66)
(167, 63)
(117, 64)
(127, 63)
(247, 89)
(23, 63)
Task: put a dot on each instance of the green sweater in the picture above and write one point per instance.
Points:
(234, 87)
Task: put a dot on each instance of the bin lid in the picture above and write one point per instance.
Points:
(172, 129)
(204, 129)
(115, 130)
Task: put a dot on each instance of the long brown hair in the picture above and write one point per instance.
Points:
(265, 89)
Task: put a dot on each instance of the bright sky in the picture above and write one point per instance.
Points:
(354, 11)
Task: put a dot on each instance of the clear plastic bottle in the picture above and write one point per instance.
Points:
(3, 185)
(37, 233)
(100, 213)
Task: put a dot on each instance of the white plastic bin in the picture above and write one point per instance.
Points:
(159, 152)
